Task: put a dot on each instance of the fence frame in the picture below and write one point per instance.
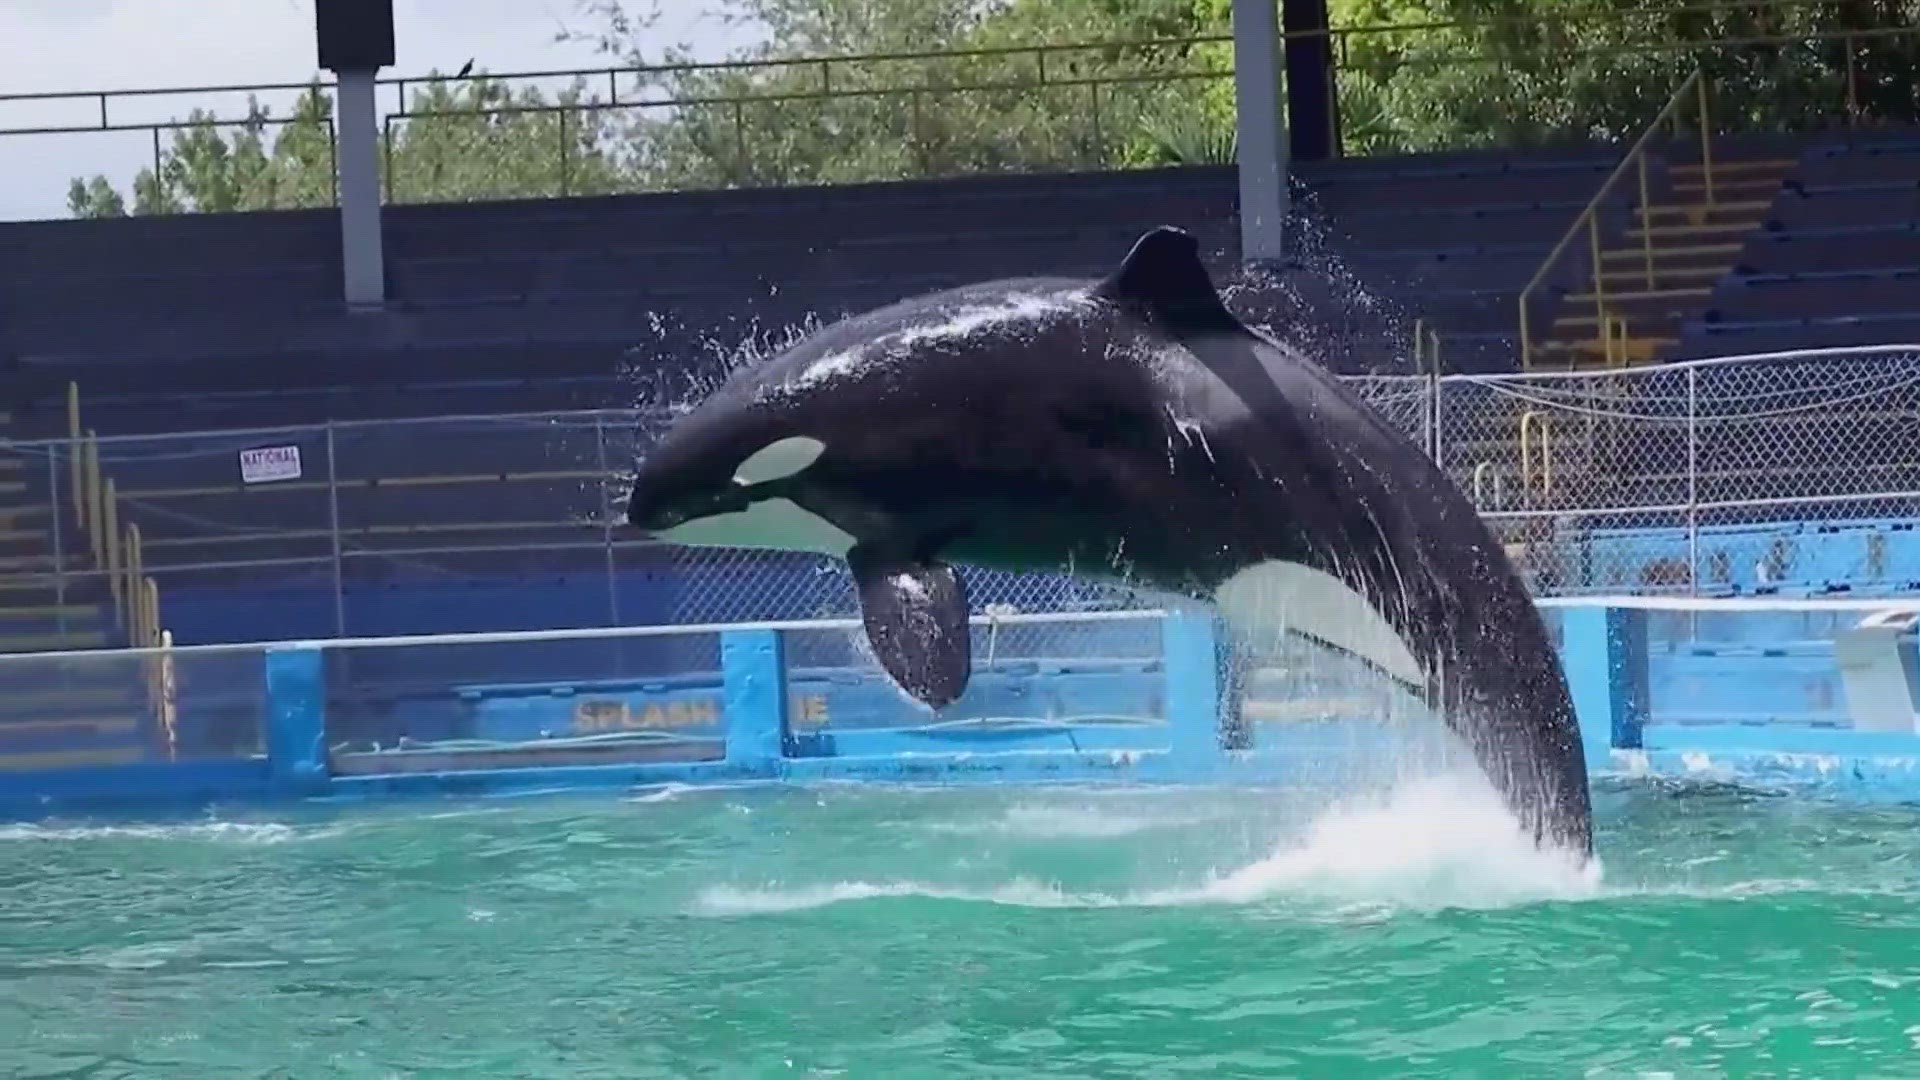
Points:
(1524, 471)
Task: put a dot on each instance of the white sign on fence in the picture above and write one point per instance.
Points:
(267, 463)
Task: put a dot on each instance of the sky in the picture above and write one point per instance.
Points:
(90, 45)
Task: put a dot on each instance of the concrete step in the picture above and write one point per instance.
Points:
(54, 641)
(1591, 351)
(1699, 212)
(1625, 279)
(1732, 188)
(1693, 169)
(1660, 233)
(1630, 296)
(32, 589)
(120, 696)
(16, 542)
(37, 760)
(1667, 254)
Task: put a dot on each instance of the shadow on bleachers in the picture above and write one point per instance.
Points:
(1838, 262)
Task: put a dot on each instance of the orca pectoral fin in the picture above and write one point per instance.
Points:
(916, 619)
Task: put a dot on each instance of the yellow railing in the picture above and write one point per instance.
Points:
(1426, 348)
(117, 549)
(1485, 474)
(1531, 421)
(1692, 94)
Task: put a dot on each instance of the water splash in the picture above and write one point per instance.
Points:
(1435, 843)
(1440, 842)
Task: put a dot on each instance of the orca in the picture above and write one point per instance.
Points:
(1129, 428)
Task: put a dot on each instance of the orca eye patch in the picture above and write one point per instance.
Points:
(778, 460)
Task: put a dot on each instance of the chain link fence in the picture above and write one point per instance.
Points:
(1704, 476)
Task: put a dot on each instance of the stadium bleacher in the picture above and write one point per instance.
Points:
(1837, 261)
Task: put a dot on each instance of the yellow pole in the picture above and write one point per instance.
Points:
(136, 596)
(1527, 420)
(1706, 135)
(73, 452)
(94, 510)
(112, 531)
(1546, 458)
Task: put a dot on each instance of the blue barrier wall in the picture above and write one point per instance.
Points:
(766, 706)
(1820, 556)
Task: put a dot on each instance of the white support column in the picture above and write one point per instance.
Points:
(1262, 142)
(1880, 672)
(365, 271)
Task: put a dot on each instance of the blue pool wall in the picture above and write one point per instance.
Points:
(1153, 716)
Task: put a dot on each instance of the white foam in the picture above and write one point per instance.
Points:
(969, 320)
(1069, 822)
(230, 831)
(1438, 842)
(1022, 892)
(663, 793)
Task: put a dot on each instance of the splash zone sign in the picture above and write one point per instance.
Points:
(267, 463)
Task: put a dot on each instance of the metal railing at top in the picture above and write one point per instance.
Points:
(1080, 69)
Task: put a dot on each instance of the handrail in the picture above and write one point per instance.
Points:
(119, 552)
(1481, 471)
(1333, 33)
(1528, 421)
(94, 509)
(73, 455)
(136, 600)
(1693, 86)
(111, 528)
(1426, 347)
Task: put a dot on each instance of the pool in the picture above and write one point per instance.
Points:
(973, 930)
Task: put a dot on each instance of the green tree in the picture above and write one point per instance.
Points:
(1530, 72)
(479, 139)
(985, 101)
(224, 166)
(944, 87)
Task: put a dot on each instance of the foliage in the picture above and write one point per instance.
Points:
(473, 138)
(1531, 72)
(957, 86)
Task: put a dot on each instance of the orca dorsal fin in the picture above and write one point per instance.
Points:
(1163, 273)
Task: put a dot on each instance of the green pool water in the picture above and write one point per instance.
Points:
(869, 931)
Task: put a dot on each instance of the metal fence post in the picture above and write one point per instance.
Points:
(333, 530)
(1693, 481)
(606, 520)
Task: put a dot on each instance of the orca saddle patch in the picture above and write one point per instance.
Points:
(916, 619)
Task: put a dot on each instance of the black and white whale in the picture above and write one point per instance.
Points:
(1130, 427)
